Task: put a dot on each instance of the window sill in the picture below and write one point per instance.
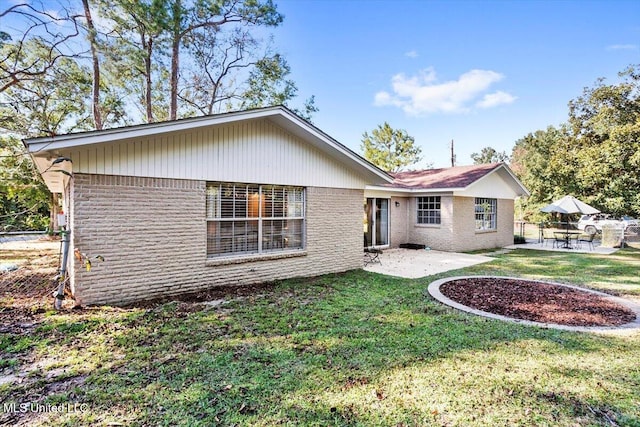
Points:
(428, 225)
(242, 259)
(486, 231)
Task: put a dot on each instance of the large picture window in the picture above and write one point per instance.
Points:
(486, 214)
(252, 219)
(428, 210)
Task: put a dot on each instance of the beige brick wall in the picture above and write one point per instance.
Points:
(457, 231)
(434, 236)
(152, 234)
(468, 239)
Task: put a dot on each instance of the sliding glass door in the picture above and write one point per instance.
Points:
(377, 222)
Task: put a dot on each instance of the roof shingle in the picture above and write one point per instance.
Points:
(445, 178)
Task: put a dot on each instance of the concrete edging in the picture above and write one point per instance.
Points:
(434, 291)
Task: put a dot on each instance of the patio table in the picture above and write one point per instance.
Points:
(566, 237)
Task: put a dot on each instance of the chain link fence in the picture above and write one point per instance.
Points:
(530, 232)
(632, 236)
(28, 266)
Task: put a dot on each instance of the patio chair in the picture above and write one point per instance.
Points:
(547, 235)
(588, 238)
(559, 240)
(371, 254)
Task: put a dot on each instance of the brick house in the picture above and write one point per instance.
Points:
(455, 209)
(235, 198)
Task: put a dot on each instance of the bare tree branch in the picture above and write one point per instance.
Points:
(12, 68)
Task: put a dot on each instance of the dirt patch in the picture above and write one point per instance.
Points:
(184, 301)
(537, 301)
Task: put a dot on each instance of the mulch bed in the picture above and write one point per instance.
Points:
(536, 301)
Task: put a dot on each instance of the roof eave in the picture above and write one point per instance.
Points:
(524, 189)
(412, 190)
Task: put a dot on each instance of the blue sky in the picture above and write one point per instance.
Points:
(481, 73)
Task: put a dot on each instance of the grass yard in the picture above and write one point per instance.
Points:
(337, 350)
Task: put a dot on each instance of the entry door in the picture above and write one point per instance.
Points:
(377, 211)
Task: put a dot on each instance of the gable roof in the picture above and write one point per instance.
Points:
(445, 178)
(458, 179)
(44, 150)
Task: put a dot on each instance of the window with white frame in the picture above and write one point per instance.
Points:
(244, 219)
(486, 214)
(428, 210)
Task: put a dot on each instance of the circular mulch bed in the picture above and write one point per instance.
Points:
(537, 301)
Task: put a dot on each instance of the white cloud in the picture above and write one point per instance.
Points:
(422, 94)
(494, 99)
(622, 47)
(411, 54)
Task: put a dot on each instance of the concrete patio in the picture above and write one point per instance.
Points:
(413, 264)
(533, 244)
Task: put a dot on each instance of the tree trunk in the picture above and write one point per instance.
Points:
(91, 34)
(147, 69)
(175, 59)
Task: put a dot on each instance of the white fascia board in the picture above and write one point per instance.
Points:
(525, 190)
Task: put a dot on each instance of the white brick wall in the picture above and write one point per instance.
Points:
(152, 234)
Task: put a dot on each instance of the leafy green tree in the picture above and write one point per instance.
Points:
(489, 155)
(55, 30)
(187, 20)
(268, 84)
(541, 162)
(605, 122)
(134, 51)
(24, 199)
(595, 156)
(144, 54)
(390, 149)
(56, 102)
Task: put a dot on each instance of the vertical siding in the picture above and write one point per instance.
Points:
(253, 151)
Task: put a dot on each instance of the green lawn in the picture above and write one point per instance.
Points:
(350, 349)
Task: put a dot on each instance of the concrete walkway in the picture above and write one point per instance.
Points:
(413, 264)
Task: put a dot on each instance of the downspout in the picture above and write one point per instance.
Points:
(62, 274)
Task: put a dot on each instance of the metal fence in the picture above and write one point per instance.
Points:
(632, 236)
(27, 270)
(532, 231)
